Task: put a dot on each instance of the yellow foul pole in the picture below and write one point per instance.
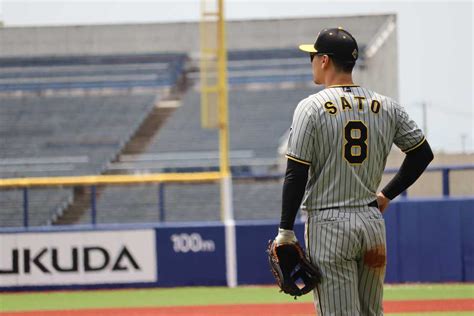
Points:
(227, 212)
(222, 83)
(226, 187)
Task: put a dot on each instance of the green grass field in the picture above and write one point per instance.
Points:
(61, 300)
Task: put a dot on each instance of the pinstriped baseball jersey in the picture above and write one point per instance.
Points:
(345, 134)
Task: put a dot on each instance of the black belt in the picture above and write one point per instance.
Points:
(371, 204)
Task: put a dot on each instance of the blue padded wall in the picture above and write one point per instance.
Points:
(427, 241)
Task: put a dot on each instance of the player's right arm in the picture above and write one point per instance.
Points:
(410, 139)
(413, 165)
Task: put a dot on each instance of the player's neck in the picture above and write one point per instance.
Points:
(338, 79)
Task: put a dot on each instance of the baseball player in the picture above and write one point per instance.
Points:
(342, 136)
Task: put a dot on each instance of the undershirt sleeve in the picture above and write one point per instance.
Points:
(294, 186)
(412, 167)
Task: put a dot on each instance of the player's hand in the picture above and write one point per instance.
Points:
(285, 236)
(382, 201)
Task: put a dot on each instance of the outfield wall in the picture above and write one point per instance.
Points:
(428, 241)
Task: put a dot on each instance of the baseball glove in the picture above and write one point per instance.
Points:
(288, 264)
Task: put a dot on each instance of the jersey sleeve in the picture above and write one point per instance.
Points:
(408, 135)
(301, 140)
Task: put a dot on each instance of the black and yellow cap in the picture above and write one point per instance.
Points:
(336, 42)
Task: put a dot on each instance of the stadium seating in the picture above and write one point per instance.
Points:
(186, 202)
(266, 67)
(61, 136)
(86, 72)
(78, 135)
(269, 66)
(257, 121)
(44, 133)
(66, 135)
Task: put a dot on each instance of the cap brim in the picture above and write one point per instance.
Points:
(309, 48)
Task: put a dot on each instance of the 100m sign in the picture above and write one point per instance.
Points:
(185, 243)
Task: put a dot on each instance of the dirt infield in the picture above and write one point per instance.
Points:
(293, 309)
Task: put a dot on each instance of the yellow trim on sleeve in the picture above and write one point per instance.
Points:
(298, 160)
(416, 146)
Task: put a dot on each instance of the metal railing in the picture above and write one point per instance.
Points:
(445, 172)
(163, 179)
(93, 181)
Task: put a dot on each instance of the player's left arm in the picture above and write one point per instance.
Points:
(413, 165)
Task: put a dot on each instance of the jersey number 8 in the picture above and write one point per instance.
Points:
(355, 146)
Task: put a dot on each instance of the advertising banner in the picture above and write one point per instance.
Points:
(70, 258)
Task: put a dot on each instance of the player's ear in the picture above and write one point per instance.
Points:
(324, 61)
